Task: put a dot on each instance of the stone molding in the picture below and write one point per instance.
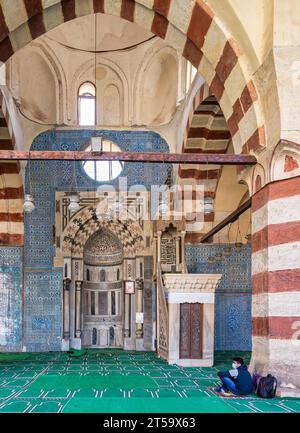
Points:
(191, 283)
(180, 298)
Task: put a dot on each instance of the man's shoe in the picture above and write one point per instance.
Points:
(218, 389)
(225, 392)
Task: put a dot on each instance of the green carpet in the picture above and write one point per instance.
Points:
(167, 405)
(73, 381)
(113, 381)
(8, 357)
(76, 352)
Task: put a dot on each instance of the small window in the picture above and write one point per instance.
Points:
(113, 303)
(93, 303)
(87, 275)
(87, 303)
(94, 337)
(102, 275)
(103, 303)
(111, 336)
(102, 171)
(118, 274)
(87, 104)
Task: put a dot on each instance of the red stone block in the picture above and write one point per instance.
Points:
(127, 10)
(201, 20)
(162, 7)
(192, 53)
(159, 25)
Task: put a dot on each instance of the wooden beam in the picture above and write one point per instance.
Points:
(149, 157)
(231, 218)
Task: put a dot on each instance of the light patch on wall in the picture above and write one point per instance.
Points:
(2, 75)
(6, 308)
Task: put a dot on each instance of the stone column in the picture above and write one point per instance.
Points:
(183, 264)
(275, 283)
(66, 297)
(157, 298)
(139, 294)
(177, 253)
(126, 315)
(78, 289)
(155, 256)
(158, 246)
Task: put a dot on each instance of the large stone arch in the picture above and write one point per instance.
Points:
(189, 26)
(202, 93)
(85, 223)
(11, 188)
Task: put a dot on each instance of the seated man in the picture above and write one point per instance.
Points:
(238, 380)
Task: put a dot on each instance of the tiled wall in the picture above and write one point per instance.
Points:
(233, 296)
(48, 176)
(11, 298)
(43, 311)
(43, 284)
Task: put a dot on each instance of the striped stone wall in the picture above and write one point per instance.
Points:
(11, 187)
(276, 280)
(190, 26)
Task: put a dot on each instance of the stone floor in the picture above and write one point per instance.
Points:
(116, 381)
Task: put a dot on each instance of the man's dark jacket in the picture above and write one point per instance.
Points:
(243, 381)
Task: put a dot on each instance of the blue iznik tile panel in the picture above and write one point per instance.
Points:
(10, 298)
(43, 311)
(43, 283)
(48, 176)
(233, 296)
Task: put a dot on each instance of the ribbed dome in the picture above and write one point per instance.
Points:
(102, 248)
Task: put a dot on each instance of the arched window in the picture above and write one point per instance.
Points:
(111, 336)
(102, 275)
(93, 303)
(94, 337)
(103, 171)
(113, 303)
(87, 104)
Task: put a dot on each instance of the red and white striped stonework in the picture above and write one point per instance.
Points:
(11, 189)
(206, 132)
(191, 27)
(276, 280)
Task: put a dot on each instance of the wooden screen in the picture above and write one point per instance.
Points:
(191, 329)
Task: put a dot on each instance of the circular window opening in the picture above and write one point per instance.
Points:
(103, 171)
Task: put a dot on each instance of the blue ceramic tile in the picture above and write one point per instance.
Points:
(233, 296)
(11, 296)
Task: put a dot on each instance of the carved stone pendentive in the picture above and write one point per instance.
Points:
(191, 289)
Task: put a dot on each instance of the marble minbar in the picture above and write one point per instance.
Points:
(190, 289)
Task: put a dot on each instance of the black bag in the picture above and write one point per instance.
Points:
(266, 386)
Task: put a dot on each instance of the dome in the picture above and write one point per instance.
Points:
(103, 248)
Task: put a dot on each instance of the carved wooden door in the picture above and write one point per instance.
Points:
(191, 330)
